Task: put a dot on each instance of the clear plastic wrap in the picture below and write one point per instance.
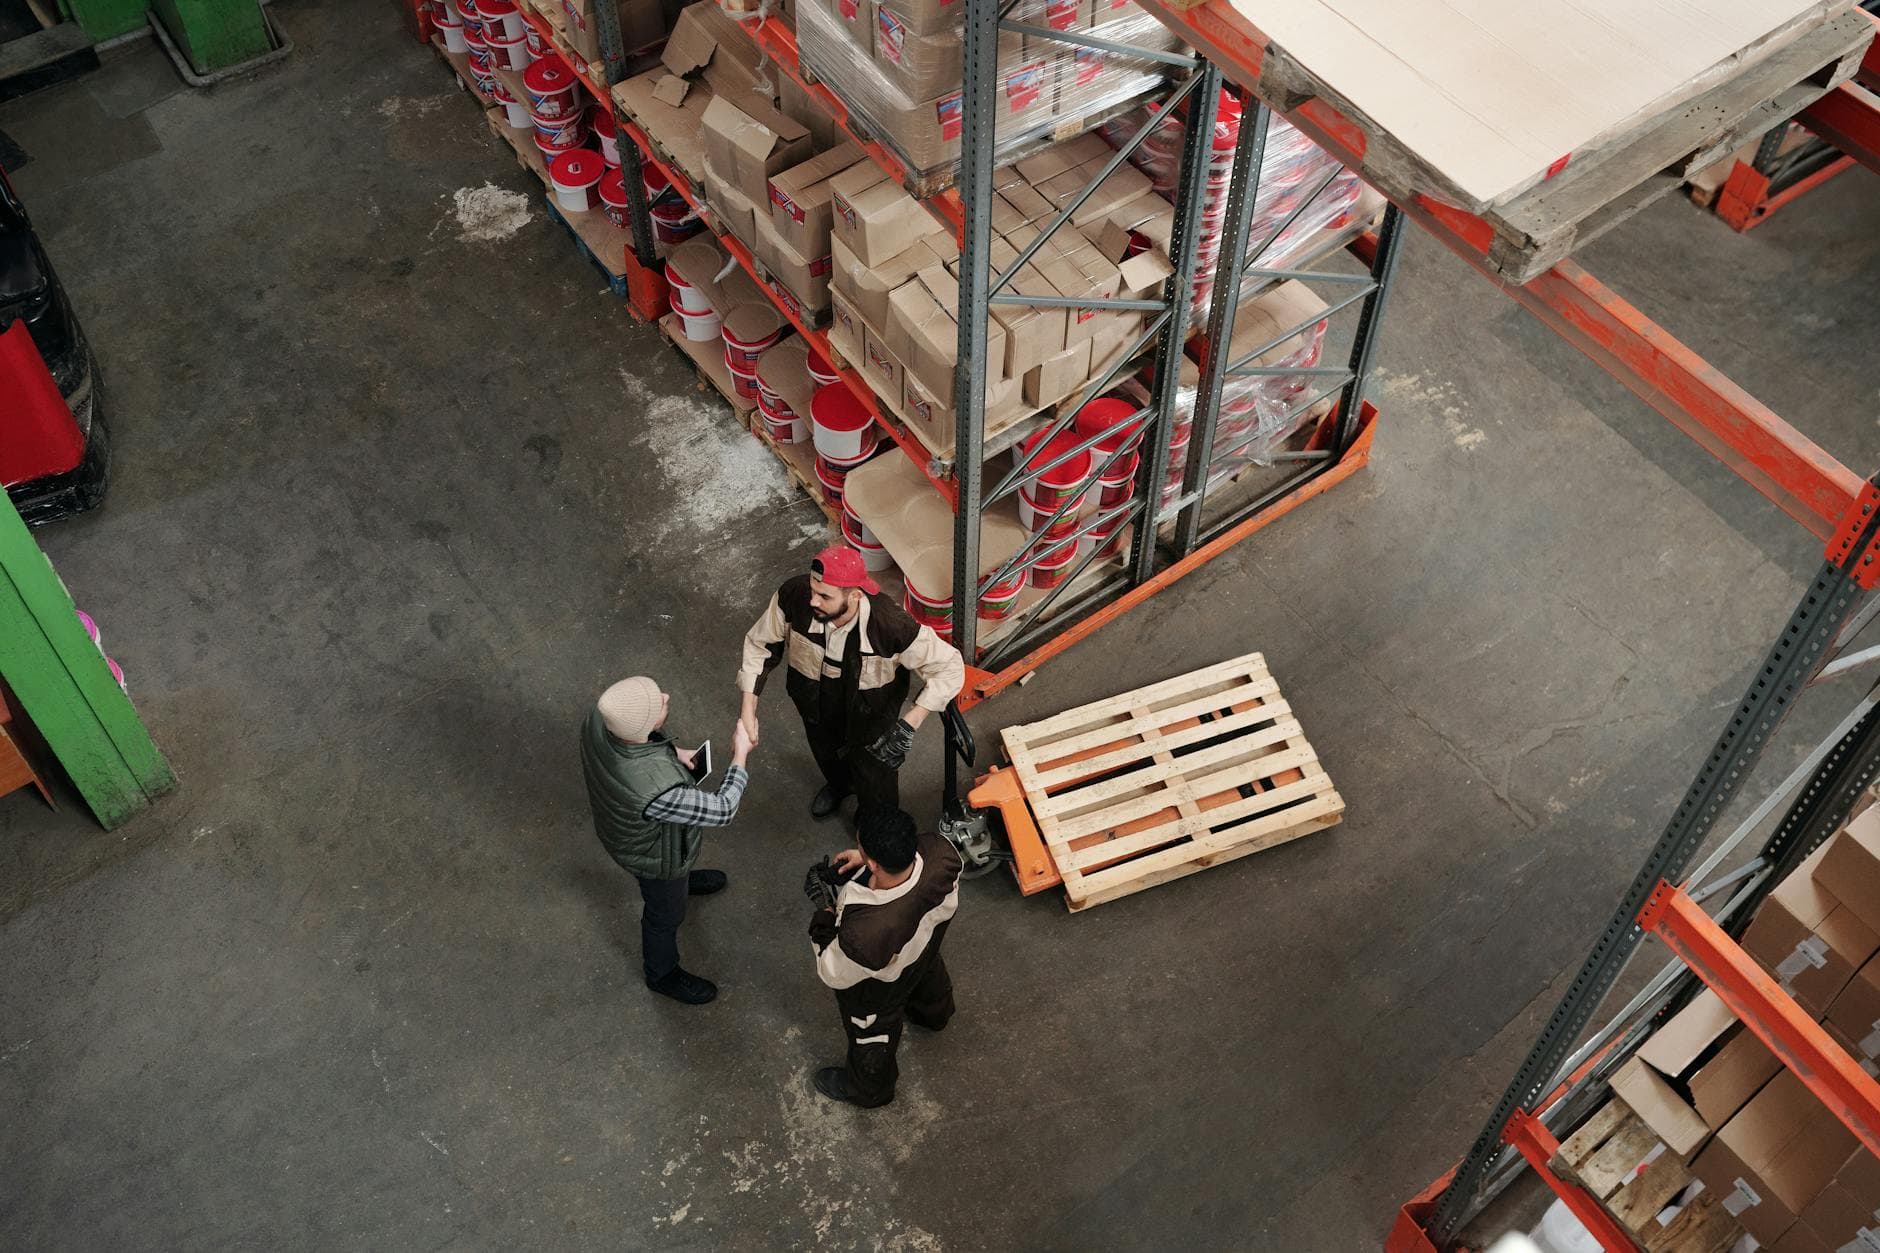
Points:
(896, 65)
(1292, 169)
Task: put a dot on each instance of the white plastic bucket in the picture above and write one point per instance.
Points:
(576, 177)
(509, 54)
(453, 33)
(842, 426)
(685, 297)
(700, 327)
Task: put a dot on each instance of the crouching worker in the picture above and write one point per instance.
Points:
(881, 913)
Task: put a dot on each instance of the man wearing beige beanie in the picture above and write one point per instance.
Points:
(651, 819)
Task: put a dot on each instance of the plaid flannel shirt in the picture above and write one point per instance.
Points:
(695, 807)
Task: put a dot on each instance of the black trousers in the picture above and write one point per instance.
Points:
(660, 915)
(873, 1014)
(840, 746)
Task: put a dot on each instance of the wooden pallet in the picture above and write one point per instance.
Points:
(1604, 1156)
(1170, 779)
(460, 66)
(600, 241)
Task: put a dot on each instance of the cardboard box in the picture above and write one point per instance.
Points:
(706, 42)
(643, 23)
(745, 144)
(1122, 186)
(1808, 939)
(1032, 333)
(880, 365)
(927, 132)
(672, 113)
(1854, 1017)
(1799, 1238)
(1072, 154)
(919, 66)
(735, 213)
(1057, 376)
(930, 17)
(1774, 1158)
(1030, 206)
(805, 279)
(847, 331)
(1851, 867)
(924, 335)
(866, 287)
(857, 20)
(1694, 1073)
(1848, 1206)
(873, 217)
(935, 422)
(1271, 314)
(799, 107)
(799, 199)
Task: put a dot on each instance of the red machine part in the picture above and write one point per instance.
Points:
(38, 435)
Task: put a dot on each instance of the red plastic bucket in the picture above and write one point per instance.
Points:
(874, 557)
(1054, 569)
(508, 53)
(1062, 482)
(829, 478)
(551, 86)
(576, 176)
(1107, 543)
(1112, 414)
(614, 197)
(745, 385)
(843, 429)
(560, 132)
(601, 122)
(749, 330)
(1034, 516)
(821, 372)
(674, 222)
(501, 19)
(654, 180)
(533, 38)
(927, 610)
(996, 602)
(686, 299)
(781, 425)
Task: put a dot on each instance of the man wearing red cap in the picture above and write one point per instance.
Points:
(850, 652)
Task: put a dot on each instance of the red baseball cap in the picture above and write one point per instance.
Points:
(842, 567)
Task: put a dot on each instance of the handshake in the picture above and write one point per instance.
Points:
(823, 878)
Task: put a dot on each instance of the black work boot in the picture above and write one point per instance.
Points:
(826, 802)
(833, 1082)
(684, 987)
(705, 882)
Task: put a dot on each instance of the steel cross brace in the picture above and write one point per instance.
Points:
(1798, 652)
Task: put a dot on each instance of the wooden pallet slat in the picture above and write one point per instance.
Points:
(1610, 1155)
(1170, 779)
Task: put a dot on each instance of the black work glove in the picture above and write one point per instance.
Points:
(822, 928)
(891, 749)
(819, 885)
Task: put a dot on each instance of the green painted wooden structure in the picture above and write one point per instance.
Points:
(213, 34)
(63, 683)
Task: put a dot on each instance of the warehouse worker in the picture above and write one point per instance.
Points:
(651, 819)
(877, 943)
(850, 650)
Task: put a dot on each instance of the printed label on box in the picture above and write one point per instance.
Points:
(784, 202)
(1085, 313)
(848, 9)
(1088, 64)
(1810, 954)
(948, 111)
(920, 407)
(822, 265)
(893, 32)
(846, 210)
(784, 294)
(1061, 14)
(844, 321)
(1024, 85)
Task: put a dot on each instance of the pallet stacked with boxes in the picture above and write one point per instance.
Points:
(1715, 1104)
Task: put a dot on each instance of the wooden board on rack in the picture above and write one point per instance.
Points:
(606, 243)
(1607, 1156)
(1170, 779)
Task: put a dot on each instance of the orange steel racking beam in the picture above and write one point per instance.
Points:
(1746, 435)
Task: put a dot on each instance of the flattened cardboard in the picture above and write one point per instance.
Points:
(675, 122)
(915, 524)
(1775, 1157)
(705, 38)
(671, 89)
(784, 369)
(1851, 868)
(1809, 940)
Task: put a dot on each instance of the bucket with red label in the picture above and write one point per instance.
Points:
(830, 478)
(453, 31)
(1054, 568)
(842, 426)
(576, 177)
(674, 222)
(601, 122)
(871, 444)
(558, 132)
(1107, 541)
(927, 609)
(997, 600)
(515, 113)
(875, 558)
(508, 53)
(745, 385)
(749, 330)
(478, 54)
(1063, 481)
(614, 196)
(501, 19)
(654, 180)
(780, 424)
(1113, 415)
(821, 372)
(538, 47)
(1035, 516)
(551, 86)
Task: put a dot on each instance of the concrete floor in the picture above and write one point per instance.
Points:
(394, 502)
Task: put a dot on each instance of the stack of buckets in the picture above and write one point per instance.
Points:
(781, 375)
(749, 331)
(1115, 483)
(690, 273)
(844, 434)
(673, 219)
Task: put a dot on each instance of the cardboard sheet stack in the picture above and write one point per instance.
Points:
(1791, 1174)
(896, 64)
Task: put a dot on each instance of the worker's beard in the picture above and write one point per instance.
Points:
(829, 615)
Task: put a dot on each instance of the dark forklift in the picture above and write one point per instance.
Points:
(52, 464)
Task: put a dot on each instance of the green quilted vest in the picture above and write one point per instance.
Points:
(621, 779)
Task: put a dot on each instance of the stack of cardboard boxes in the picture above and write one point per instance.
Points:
(643, 23)
(896, 64)
(1793, 1176)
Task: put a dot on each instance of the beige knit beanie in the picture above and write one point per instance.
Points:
(630, 708)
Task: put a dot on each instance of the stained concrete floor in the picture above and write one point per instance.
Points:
(394, 501)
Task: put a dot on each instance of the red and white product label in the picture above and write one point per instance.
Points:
(788, 298)
(1061, 14)
(788, 205)
(1088, 63)
(879, 362)
(848, 10)
(823, 264)
(949, 112)
(845, 210)
(1085, 313)
(843, 322)
(921, 408)
(892, 43)
(1024, 85)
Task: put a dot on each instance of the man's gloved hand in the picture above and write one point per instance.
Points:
(891, 749)
(819, 885)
